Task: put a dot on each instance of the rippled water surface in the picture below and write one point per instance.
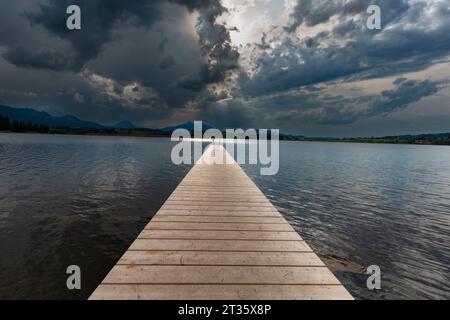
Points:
(366, 204)
(75, 200)
(82, 200)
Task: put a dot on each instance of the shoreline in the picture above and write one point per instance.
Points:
(168, 136)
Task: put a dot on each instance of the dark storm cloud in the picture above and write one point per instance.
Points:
(167, 62)
(99, 19)
(409, 42)
(314, 12)
(144, 60)
(320, 107)
(405, 92)
(117, 46)
(48, 59)
(388, 101)
(221, 58)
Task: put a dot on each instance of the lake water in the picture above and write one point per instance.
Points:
(370, 204)
(82, 200)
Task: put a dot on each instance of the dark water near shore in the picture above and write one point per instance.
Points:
(82, 200)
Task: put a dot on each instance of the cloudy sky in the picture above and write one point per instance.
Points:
(303, 66)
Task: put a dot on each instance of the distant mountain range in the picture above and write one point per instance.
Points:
(188, 126)
(43, 118)
(38, 117)
(125, 125)
(73, 124)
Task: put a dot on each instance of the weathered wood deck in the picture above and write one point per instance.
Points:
(218, 237)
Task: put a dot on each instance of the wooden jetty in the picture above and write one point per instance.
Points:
(219, 237)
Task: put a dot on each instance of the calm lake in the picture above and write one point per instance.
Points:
(82, 200)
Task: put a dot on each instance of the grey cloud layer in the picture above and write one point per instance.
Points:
(319, 106)
(349, 50)
(139, 60)
(100, 19)
(314, 12)
(126, 42)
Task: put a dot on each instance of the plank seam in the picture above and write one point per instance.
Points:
(188, 250)
(326, 284)
(217, 230)
(222, 222)
(220, 265)
(202, 239)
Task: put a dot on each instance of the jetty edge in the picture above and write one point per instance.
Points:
(218, 237)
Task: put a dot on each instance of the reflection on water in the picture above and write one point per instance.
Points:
(75, 200)
(363, 204)
(82, 200)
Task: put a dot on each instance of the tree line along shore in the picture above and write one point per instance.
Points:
(8, 125)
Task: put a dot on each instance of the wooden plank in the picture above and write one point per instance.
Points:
(217, 213)
(220, 258)
(208, 191)
(218, 188)
(221, 207)
(219, 203)
(221, 292)
(220, 245)
(137, 274)
(218, 237)
(229, 210)
(209, 199)
(218, 226)
(202, 219)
